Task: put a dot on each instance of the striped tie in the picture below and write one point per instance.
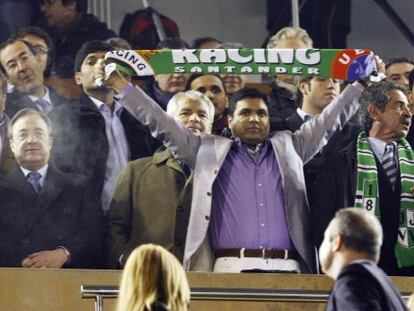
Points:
(389, 164)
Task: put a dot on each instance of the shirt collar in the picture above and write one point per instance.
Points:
(304, 115)
(378, 146)
(102, 107)
(42, 171)
(45, 97)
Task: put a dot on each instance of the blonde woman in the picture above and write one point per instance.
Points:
(153, 280)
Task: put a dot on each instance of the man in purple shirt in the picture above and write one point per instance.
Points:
(249, 205)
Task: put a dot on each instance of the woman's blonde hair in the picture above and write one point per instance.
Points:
(152, 274)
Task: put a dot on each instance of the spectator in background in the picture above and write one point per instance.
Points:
(349, 255)
(232, 82)
(69, 25)
(41, 42)
(153, 280)
(206, 43)
(24, 67)
(152, 199)
(212, 86)
(102, 135)
(164, 86)
(7, 161)
(397, 69)
(48, 219)
(374, 173)
(281, 99)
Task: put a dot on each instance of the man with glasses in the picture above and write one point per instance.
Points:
(24, 67)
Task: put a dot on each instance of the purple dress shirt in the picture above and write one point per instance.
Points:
(248, 202)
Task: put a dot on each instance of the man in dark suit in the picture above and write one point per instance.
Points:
(349, 255)
(48, 219)
(374, 173)
(313, 95)
(24, 67)
(97, 130)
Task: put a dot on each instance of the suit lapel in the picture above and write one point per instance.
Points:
(53, 186)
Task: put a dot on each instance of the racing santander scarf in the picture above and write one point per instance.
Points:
(345, 64)
(367, 194)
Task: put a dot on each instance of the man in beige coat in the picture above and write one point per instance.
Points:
(152, 199)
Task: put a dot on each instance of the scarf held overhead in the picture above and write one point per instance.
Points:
(345, 64)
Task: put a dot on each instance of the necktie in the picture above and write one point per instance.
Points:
(43, 105)
(34, 179)
(306, 118)
(389, 164)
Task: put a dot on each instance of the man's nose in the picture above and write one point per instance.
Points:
(254, 117)
(194, 117)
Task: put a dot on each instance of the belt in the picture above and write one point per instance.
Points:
(265, 253)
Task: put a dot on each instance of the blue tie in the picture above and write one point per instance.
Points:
(43, 105)
(306, 118)
(34, 179)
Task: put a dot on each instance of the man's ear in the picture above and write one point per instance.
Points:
(303, 87)
(229, 119)
(78, 78)
(373, 111)
(337, 243)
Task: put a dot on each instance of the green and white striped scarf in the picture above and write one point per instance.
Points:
(367, 196)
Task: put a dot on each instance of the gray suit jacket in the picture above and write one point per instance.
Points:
(206, 154)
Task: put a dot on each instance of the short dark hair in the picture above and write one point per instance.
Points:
(88, 48)
(194, 76)
(360, 231)
(172, 43)
(242, 94)
(25, 112)
(411, 79)
(10, 41)
(40, 33)
(197, 43)
(398, 60)
(376, 94)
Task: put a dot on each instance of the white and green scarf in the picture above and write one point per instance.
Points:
(367, 194)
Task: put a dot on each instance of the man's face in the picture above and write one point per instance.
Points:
(172, 83)
(31, 142)
(213, 88)
(23, 69)
(290, 44)
(319, 92)
(326, 252)
(395, 120)
(194, 115)
(399, 72)
(41, 48)
(57, 14)
(233, 83)
(250, 121)
(86, 76)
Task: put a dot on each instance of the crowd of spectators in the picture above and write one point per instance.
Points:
(226, 177)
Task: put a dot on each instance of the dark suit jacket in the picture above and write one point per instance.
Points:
(336, 189)
(17, 101)
(80, 142)
(65, 213)
(363, 286)
(339, 140)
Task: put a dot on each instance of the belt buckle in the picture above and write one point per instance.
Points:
(264, 253)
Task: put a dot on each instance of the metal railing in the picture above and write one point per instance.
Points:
(99, 293)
